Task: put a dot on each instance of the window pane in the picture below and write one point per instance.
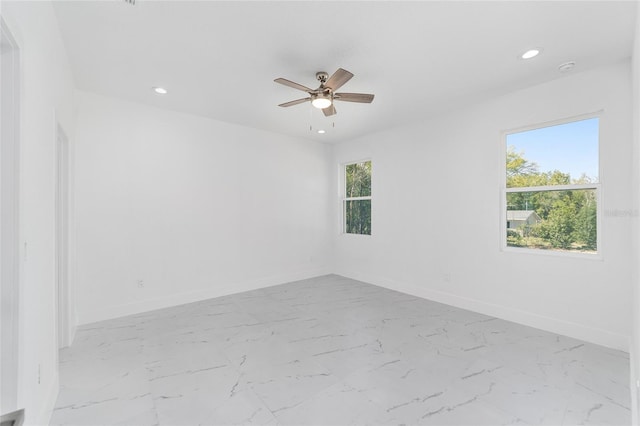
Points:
(553, 220)
(357, 217)
(358, 180)
(555, 155)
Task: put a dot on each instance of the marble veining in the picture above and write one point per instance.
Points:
(334, 351)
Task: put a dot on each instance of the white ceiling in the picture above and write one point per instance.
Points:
(219, 59)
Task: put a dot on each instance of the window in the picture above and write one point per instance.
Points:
(357, 198)
(552, 188)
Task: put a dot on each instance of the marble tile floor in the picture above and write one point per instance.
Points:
(334, 351)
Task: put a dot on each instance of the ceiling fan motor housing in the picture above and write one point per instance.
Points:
(322, 76)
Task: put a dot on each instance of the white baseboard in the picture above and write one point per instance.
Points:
(195, 296)
(554, 325)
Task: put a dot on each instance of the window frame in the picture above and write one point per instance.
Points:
(597, 187)
(344, 198)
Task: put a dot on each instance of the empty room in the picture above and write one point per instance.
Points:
(320, 212)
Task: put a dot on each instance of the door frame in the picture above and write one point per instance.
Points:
(62, 238)
(10, 220)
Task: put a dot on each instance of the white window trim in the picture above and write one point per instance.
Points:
(592, 186)
(344, 198)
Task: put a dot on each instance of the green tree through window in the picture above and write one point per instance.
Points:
(549, 209)
(357, 198)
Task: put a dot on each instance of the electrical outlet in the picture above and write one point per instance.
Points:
(140, 284)
(447, 277)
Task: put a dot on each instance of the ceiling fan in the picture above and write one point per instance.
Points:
(323, 97)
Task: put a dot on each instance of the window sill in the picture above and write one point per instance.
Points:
(349, 235)
(553, 253)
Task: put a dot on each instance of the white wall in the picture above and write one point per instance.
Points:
(46, 99)
(635, 347)
(194, 207)
(430, 177)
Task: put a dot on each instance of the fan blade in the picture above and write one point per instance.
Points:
(338, 78)
(292, 84)
(296, 102)
(354, 97)
(329, 111)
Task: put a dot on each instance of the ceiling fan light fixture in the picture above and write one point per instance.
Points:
(321, 101)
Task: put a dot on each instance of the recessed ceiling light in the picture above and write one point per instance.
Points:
(321, 131)
(567, 66)
(160, 90)
(531, 53)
